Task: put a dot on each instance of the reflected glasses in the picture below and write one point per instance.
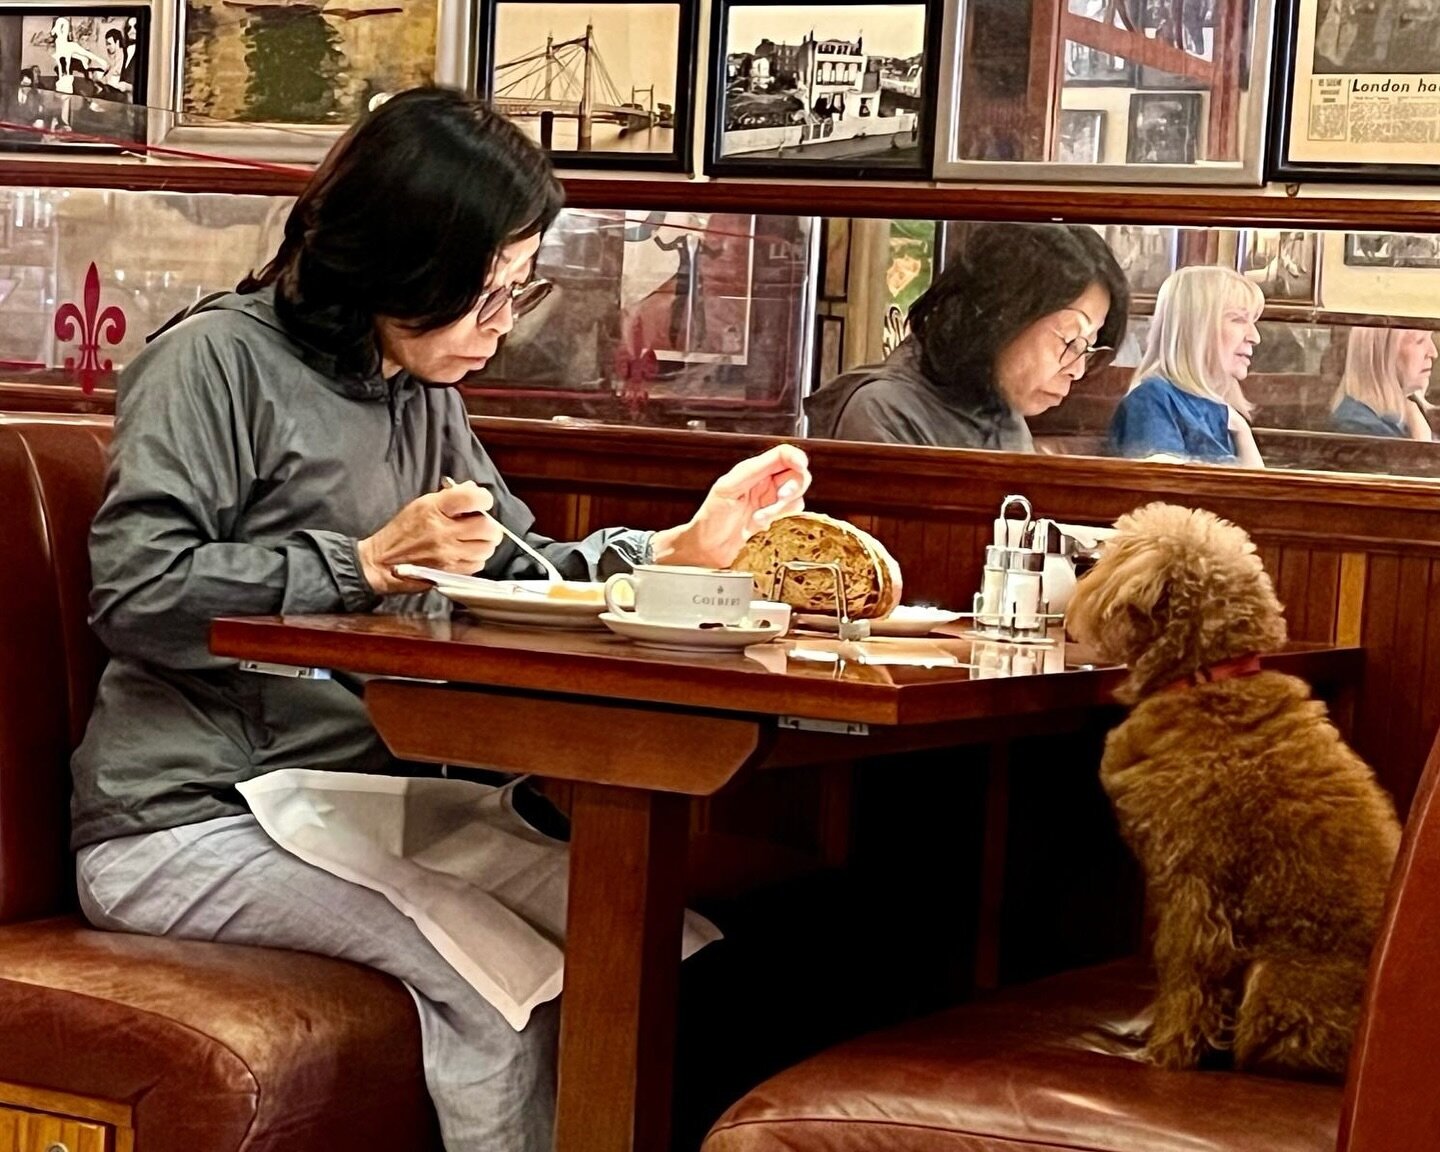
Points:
(1079, 349)
(522, 298)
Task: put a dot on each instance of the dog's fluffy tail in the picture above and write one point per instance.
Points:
(1298, 1015)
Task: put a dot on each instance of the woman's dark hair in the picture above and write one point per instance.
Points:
(1009, 276)
(404, 219)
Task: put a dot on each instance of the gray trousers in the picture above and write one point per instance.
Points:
(493, 1087)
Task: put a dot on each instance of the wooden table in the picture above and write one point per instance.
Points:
(640, 731)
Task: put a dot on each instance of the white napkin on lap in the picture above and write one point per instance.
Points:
(483, 886)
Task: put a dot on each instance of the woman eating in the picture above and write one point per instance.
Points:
(1001, 336)
(281, 449)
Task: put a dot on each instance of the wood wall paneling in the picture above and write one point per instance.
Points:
(1353, 559)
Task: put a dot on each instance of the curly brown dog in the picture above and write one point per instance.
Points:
(1266, 842)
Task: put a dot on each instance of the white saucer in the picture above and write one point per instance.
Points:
(691, 638)
(906, 620)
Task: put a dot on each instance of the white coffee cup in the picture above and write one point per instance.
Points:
(666, 594)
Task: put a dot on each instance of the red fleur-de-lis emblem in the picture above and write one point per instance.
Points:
(93, 326)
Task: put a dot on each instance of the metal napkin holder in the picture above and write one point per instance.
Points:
(845, 628)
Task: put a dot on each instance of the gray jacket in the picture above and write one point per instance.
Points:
(895, 403)
(243, 472)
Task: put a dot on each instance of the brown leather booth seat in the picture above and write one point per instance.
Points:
(1054, 1065)
(179, 1046)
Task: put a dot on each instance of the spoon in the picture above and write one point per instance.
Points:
(552, 573)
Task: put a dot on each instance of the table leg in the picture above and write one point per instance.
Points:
(622, 967)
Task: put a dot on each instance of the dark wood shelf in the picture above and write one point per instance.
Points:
(1090, 205)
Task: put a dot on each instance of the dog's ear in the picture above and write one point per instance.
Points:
(1119, 607)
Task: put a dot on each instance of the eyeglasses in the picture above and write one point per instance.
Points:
(1078, 348)
(522, 298)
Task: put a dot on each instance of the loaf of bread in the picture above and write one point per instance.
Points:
(872, 578)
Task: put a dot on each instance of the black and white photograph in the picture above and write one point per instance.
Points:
(1080, 136)
(72, 78)
(1285, 264)
(1086, 67)
(596, 84)
(1376, 36)
(1392, 250)
(1164, 128)
(1188, 26)
(839, 87)
(1145, 254)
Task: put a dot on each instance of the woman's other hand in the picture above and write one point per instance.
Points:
(746, 500)
(447, 530)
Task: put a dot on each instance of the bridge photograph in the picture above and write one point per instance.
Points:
(590, 78)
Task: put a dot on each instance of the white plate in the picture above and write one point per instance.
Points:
(689, 638)
(904, 621)
(528, 602)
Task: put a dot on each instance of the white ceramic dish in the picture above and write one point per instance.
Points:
(904, 621)
(767, 621)
(527, 602)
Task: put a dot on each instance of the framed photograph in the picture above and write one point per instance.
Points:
(1391, 250)
(282, 79)
(1189, 26)
(686, 282)
(1356, 91)
(1146, 254)
(1087, 67)
(74, 77)
(835, 274)
(1164, 128)
(1208, 59)
(606, 84)
(1082, 131)
(1285, 264)
(811, 86)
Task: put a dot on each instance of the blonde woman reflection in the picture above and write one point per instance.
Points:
(1382, 391)
(1185, 400)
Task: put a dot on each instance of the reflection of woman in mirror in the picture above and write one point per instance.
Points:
(1185, 400)
(1002, 335)
(1382, 390)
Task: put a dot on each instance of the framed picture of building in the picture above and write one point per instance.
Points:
(602, 84)
(282, 79)
(813, 86)
(1356, 90)
(74, 77)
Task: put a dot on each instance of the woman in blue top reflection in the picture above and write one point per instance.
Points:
(1382, 389)
(1185, 401)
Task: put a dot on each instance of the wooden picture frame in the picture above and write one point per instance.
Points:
(212, 108)
(641, 74)
(815, 87)
(1009, 133)
(75, 77)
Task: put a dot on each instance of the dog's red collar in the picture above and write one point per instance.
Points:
(1232, 669)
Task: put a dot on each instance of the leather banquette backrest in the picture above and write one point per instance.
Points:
(52, 474)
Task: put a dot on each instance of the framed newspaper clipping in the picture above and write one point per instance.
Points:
(1357, 92)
